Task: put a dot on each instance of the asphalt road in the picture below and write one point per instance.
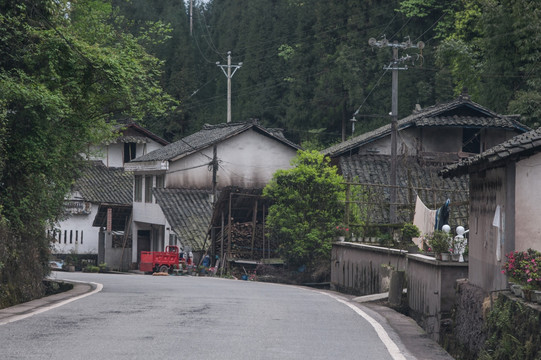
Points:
(176, 317)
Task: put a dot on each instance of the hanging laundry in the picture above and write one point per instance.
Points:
(442, 215)
(497, 223)
(424, 219)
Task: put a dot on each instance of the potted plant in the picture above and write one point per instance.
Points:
(465, 253)
(523, 269)
(342, 232)
(410, 231)
(438, 242)
(372, 234)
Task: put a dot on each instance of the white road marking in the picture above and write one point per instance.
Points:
(391, 346)
(40, 310)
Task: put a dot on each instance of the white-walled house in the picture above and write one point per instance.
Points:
(505, 203)
(174, 186)
(102, 181)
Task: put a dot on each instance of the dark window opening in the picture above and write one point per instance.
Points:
(129, 151)
(138, 194)
(148, 188)
(471, 141)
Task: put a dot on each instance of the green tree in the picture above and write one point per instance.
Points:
(66, 73)
(308, 205)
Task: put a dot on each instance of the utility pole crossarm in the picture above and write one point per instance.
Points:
(228, 74)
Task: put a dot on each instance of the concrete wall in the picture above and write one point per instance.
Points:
(488, 244)
(431, 290)
(434, 139)
(438, 139)
(357, 268)
(528, 203)
(116, 258)
(247, 160)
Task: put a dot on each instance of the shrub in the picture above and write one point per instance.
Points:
(439, 241)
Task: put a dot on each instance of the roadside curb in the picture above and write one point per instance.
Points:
(414, 338)
(27, 309)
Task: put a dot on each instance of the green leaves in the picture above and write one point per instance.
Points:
(308, 205)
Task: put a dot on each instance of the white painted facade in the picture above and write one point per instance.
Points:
(76, 233)
(112, 155)
(82, 237)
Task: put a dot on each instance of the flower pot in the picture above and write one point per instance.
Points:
(517, 290)
(341, 238)
(527, 294)
(465, 257)
(455, 257)
(373, 239)
(445, 256)
(537, 296)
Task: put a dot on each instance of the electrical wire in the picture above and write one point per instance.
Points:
(373, 88)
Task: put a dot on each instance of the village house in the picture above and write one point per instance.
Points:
(427, 140)
(103, 184)
(504, 205)
(176, 186)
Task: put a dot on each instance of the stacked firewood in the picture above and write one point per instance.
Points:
(241, 242)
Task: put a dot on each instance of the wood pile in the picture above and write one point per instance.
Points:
(241, 242)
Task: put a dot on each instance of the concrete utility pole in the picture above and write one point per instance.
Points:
(394, 108)
(191, 16)
(229, 75)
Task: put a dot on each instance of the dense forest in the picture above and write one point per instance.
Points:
(308, 67)
(70, 69)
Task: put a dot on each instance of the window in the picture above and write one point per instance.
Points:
(148, 188)
(471, 140)
(129, 151)
(138, 193)
(160, 181)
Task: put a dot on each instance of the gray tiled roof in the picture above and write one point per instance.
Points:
(519, 146)
(411, 172)
(460, 112)
(143, 134)
(100, 184)
(209, 135)
(188, 212)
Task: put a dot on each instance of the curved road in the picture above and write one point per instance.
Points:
(177, 317)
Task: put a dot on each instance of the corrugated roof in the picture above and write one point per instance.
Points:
(100, 184)
(519, 146)
(188, 212)
(208, 136)
(411, 172)
(459, 112)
